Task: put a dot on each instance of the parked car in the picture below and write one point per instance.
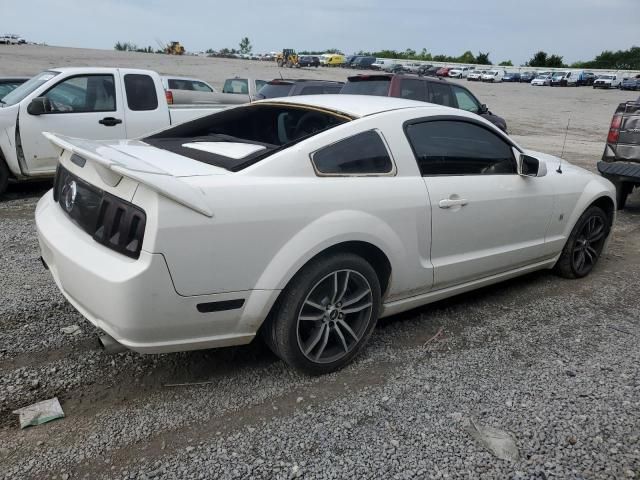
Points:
(381, 63)
(308, 61)
(587, 78)
(443, 72)
(564, 79)
(476, 75)
(8, 84)
(460, 72)
(428, 70)
(621, 158)
(511, 77)
(608, 81)
(493, 76)
(85, 102)
(542, 80)
(527, 76)
(424, 89)
(363, 63)
(395, 68)
(396, 204)
(412, 67)
(286, 87)
(190, 91)
(629, 83)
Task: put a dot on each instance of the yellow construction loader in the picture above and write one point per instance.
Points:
(288, 58)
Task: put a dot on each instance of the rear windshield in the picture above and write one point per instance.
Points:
(269, 128)
(376, 86)
(274, 90)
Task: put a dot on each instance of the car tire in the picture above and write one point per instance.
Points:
(4, 176)
(312, 327)
(584, 246)
(623, 190)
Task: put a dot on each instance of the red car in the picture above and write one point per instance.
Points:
(443, 72)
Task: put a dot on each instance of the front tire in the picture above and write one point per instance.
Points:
(584, 246)
(326, 314)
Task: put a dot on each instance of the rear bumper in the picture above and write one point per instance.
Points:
(134, 301)
(623, 171)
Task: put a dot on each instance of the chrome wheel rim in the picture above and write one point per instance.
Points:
(588, 245)
(334, 316)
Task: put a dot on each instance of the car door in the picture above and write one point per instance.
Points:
(83, 106)
(486, 218)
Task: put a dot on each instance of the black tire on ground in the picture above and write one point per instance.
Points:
(623, 189)
(281, 330)
(4, 176)
(584, 243)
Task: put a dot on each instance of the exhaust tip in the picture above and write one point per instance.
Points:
(110, 345)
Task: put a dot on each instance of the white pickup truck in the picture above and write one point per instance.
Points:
(91, 103)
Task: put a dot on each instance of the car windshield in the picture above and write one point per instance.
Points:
(376, 86)
(27, 88)
(274, 90)
(607, 77)
(260, 129)
(559, 74)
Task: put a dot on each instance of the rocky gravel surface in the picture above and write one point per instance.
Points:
(552, 362)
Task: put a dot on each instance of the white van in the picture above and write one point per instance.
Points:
(382, 63)
(494, 76)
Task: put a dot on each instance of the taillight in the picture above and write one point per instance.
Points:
(169, 95)
(614, 129)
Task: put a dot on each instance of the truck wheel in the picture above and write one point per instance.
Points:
(326, 314)
(623, 189)
(4, 176)
(584, 246)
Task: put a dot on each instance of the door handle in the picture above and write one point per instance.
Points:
(109, 121)
(450, 202)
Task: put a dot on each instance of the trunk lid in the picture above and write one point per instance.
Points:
(157, 169)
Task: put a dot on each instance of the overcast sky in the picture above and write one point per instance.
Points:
(508, 29)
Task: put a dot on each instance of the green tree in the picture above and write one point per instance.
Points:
(506, 63)
(555, 61)
(245, 45)
(483, 58)
(538, 60)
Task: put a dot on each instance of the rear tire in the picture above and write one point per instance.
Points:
(4, 176)
(326, 314)
(623, 190)
(584, 246)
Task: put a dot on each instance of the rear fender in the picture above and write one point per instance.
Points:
(326, 232)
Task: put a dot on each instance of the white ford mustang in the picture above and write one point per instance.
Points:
(306, 219)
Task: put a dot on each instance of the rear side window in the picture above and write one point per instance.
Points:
(367, 87)
(362, 154)
(440, 93)
(413, 89)
(451, 147)
(236, 85)
(141, 92)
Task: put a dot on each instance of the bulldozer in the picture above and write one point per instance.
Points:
(288, 58)
(174, 48)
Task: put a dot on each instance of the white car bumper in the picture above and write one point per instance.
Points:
(134, 301)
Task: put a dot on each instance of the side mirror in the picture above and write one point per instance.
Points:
(38, 106)
(483, 109)
(531, 167)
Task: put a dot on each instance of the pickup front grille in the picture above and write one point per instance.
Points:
(111, 221)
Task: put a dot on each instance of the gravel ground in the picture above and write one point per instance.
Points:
(551, 361)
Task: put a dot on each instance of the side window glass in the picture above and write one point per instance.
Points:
(201, 87)
(89, 93)
(312, 90)
(465, 100)
(440, 93)
(362, 154)
(413, 89)
(450, 147)
(141, 92)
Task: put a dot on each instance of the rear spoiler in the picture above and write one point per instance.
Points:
(158, 180)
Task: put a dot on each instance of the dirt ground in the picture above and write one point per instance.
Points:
(552, 361)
